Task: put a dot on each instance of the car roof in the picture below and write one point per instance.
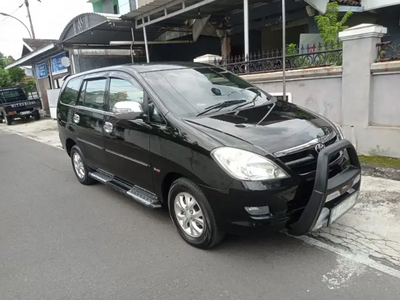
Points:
(10, 88)
(146, 67)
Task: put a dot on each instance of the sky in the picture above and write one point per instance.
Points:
(49, 18)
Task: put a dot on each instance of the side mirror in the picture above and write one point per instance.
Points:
(127, 110)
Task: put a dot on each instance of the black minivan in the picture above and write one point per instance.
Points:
(221, 154)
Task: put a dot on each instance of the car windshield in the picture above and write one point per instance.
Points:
(13, 95)
(189, 92)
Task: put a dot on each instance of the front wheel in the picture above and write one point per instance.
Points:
(36, 115)
(192, 215)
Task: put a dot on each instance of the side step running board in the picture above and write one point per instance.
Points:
(142, 196)
(102, 177)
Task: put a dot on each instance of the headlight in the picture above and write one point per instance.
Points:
(244, 165)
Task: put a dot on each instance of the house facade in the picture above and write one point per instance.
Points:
(265, 25)
(113, 6)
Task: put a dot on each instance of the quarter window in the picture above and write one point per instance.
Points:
(70, 93)
(122, 90)
(94, 93)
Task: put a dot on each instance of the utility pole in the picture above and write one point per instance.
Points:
(30, 18)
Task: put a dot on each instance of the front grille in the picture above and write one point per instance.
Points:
(304, 162)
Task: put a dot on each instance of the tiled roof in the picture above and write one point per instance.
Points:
(38, 43)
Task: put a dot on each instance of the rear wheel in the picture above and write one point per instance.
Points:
(81, 169)
(192, 215)
(9, 120)
(36, 115)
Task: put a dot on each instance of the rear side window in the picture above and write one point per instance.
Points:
(94, 93)
(13, 95)
(71, 91)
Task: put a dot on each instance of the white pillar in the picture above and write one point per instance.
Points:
(359, 52)
(284, 48)
(146, 45)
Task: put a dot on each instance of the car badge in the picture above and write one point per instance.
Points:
(319, 147)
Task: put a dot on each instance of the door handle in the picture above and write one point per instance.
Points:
(76, 118)
(108, 127)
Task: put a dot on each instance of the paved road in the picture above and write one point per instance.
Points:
(62, 240)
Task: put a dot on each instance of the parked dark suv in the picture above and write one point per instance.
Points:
(221, 154)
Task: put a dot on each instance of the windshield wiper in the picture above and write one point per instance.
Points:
(250, 88)
(253, 101)
(220, 106)
(267, 114)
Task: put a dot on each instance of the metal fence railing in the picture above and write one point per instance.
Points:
(317, 55)
(387, 51)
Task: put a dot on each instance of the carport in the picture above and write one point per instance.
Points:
(173, 14)
(89, 39)
(164, 13)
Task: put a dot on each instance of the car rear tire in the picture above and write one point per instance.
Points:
(36, 115)
(9, 120)
(80, 168)
(192, 215)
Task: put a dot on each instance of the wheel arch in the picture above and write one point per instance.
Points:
(166, 184)
(69, 143)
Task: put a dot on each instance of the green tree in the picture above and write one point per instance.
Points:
(12, 76)
(3, 61)
(16, 75)
(5, 80)
(29, 86)
(329, 25)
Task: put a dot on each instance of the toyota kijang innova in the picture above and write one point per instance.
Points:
(221, 154)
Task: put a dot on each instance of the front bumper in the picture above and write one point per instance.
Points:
(232, 207)
(330, 194)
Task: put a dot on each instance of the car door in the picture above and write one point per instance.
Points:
(127, 141)
(88, 120)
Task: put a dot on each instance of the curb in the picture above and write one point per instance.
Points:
(375, 171)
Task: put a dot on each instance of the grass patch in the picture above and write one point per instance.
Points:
(380, 161)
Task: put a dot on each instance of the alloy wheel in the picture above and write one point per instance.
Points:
(189, 214)
(78, 165)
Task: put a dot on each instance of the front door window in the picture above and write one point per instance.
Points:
(122, 90)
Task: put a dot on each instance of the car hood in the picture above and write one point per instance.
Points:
(285, 127)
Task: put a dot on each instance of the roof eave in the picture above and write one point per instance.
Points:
(23, 61)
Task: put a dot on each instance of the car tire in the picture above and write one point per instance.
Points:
(36, 115)
(9, 120)
(183, 192)
(81, 169)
